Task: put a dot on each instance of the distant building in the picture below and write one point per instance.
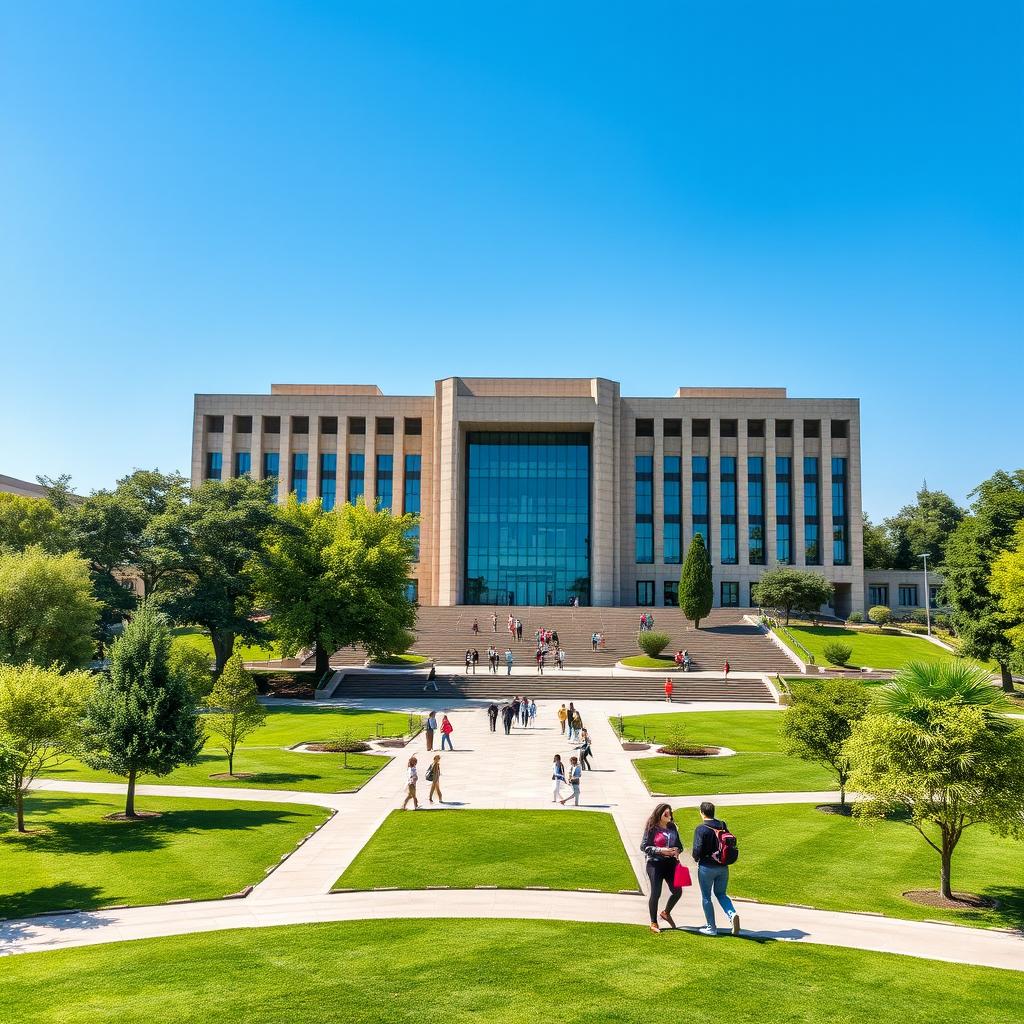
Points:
(11, 485)
(902, 590)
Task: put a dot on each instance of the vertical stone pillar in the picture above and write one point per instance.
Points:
(605, 498)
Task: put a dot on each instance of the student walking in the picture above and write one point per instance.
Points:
(469, 659)
(492, 660)
(562, 716)
(585, 751)
(575, 774)
(431, 679)
(569, 716)
(433, 776)
(430, 727)
(557, 777)
(714, 849)
(668, 690)
(533, 712)
(508, 660)
(662, 846)
(524, 712)
(476, 659)
(411, 778)
(519, 629)
(476, 627)
(492, 714)
(507, 714)
(725, 670)
(540, 661)
(494, 622)
(577, 725)
(561, 659)
(593, 640)
(446, 732)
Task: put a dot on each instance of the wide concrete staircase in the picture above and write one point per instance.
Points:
(444, 634)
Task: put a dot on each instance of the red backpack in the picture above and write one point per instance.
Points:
(727, 851)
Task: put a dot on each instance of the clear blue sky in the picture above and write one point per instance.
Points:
(213, 196)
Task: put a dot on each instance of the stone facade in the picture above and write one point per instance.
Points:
(716, 423)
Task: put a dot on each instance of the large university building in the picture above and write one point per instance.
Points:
(539, 491)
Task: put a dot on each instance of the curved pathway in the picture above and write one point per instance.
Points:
(490, 771)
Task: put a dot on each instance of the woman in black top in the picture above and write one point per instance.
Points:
(661, 846)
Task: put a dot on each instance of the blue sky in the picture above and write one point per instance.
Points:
(211, 197)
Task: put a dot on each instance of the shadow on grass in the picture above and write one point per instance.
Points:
(64, 896)
(1010, 912)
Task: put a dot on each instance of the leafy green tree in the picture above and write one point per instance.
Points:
(1007, 583)
(347, 742)
(336, 578)
(192, 666)
(141, 719)
(819, 722)
(47, 609)
(40, 711)
(925, 526)
(792, 590)
(696, 590)
(58, 492)
(878, 549)
(235, 710)
(27, 522)
(918, 686)
(947, 770)
(977, 612)
(208, 543)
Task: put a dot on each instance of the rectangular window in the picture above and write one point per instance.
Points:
(702, 428)
(840, 514)
(840, 428)
(215, 424)
(812, 428)
(755, 509)
(328, 424)
(243, 424)
(328, 481)
(672, 428)
(645, 428)
(413, 426)
(412, 591)
(671, 595)
(271, 424)
(727, 428)
(300, 474)
(783, 510)
(783, 428)
(271, 470)
(878, 595)
(356, 476)
(645, 508)
(933, 596)
(385, 424)
(645, 593)
(699, 499)
(385, 477)
(357, 424)
(730, 594)
(213, 465)
(908, 595)
(727, 497)
(673, 486)
(812, 512)
(243, 463)
(753, 596)
(411, 497)
(300, 424)
(755, 428)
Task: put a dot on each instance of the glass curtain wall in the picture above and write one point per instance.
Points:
(300, 474)
(812, 512)
(699, 500)
(328, 481)
(411, 497)
(727, 496)
(384, 482)
(755, 509)
(271, 471)
(673, 509)
(783, 510)
(356, 476)
(840, 514)
(644, 508)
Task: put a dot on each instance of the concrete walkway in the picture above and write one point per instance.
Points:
(491, 771)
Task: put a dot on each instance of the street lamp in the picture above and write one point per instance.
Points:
(927, 595)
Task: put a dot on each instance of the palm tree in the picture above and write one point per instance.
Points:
(919, 686)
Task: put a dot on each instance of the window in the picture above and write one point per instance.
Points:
(384, 483)
(727, 428)
(673, 489)
(356, 476)
(357, 424)
(727, 498)
(908, 595)
(300, 424)
(385, 424)
(243, 463)
(243, 424)
(783, 510)
(730, 594)
(755, 428)
(645, 593)
(671, 595)
(753, 596)
(300, 474)
(672, 428)
(271, 469)
(699, 499)
(328, 424)
(878, 594)
(645, 509)
(840, 428)
(413, 426)
(840, 514)
(702, 428)
(645, 428)
(213, 465)
(271, 424)
(328, 480)
(933, 596)
(812, 540)
(215, 424)
(411, 498)
(412, 591)
(755, 509)
(812, 428)
(783, 428)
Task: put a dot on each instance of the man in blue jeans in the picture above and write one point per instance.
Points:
(712, 876)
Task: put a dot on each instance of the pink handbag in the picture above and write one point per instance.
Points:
(681, 877)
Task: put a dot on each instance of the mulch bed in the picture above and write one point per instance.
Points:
(137, 816)
(689, 751)
(960, 901)
(238, 775)
(396, 742)
(636, 746)
(845, 812)
(330, 748)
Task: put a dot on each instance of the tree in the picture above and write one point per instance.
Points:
(26, 522)
(347, 742)
(792, 590)
(917, 686)
(192, 666)
(208, 542)
(925, 526)
(1007, 583)
(47, 609)
(235, 710)
(978, 615)
(58, 492)
(336, 578)
(141, 719)
(947, 771)
(696, 590)
(878, 549)
(819, 722)
(40, 709)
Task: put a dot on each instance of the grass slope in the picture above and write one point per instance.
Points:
(500, 972)
(510, 849)
(876, 650)
(193, 636)
(197, 848)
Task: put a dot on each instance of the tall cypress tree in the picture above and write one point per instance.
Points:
(141, 719)
(696, 591)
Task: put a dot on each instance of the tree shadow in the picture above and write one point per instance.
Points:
(257, 779)
(63, 896)
(1010, 912)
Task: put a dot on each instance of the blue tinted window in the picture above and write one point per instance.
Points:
(755, 510)
(300, 473)
(783, 510)
(385, 481)
(840, 514)
(271, 471)
(213, 465)
(356, 476)
(812, 512)
(699, 499)
(673, 491)
(644, 508)
(727, 508)
(328, 481)
(411, 501)
(243, 463)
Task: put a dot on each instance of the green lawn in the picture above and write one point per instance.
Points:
(271, 766)
(876, 650)
(496, 972)
(197, 848)
(193, 636)
(741, 730)
(645, 661)
(791, 853)
(510, 849)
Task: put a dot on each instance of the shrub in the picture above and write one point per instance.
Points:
(920, 616)
(855, 617)
(880, 615)
(942, 621)
(346, 744)
(837, 653)
(652, 644)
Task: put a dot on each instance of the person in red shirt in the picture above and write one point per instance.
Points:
(726, 671)
(668, 690)
(446, 732)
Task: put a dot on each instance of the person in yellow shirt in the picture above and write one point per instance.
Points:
(562, 716)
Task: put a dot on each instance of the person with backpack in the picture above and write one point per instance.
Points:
(714, 849)
(662, 845)
(585, 750)
(446, 732)
(433, 776)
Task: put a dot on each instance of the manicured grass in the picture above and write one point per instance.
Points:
(193, 636)
(197, 849)
(645, 661)
(510, 849)
(877, 650)
(741, 730)
(791, 853)
(498, 972)
(744, 773)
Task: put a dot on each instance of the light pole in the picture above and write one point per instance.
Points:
(927, 595)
